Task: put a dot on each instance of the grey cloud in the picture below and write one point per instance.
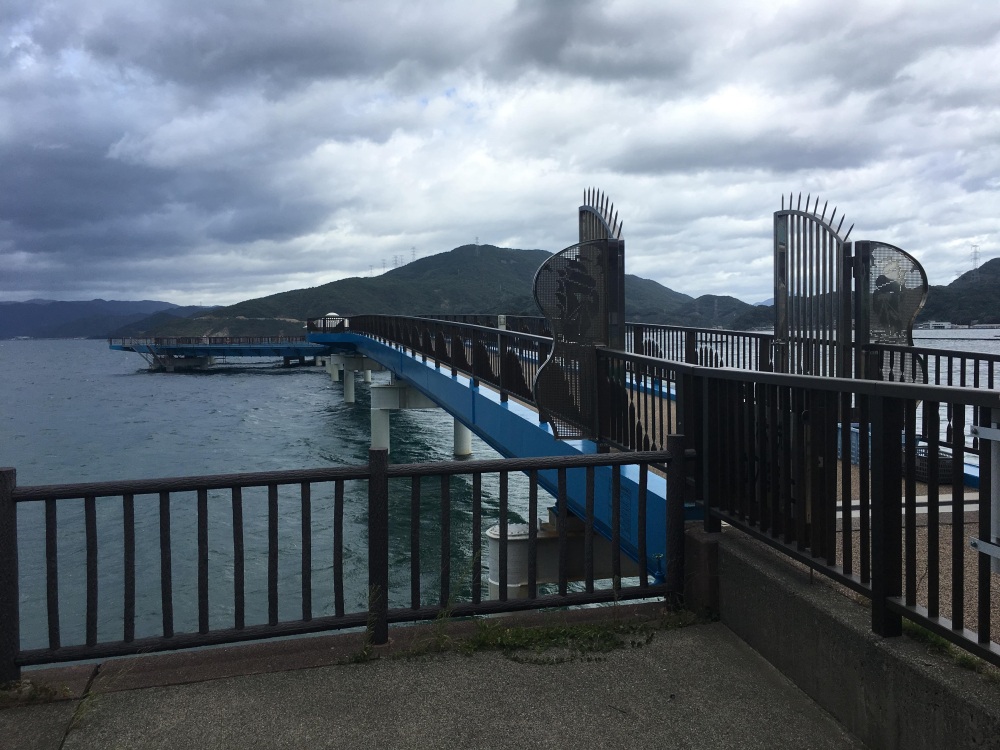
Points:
(217, 152)
(774, 151)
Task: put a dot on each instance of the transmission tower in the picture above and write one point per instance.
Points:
(975, 262)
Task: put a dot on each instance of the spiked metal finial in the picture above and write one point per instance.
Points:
(598, 204)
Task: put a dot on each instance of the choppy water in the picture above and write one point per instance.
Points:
(74, 411)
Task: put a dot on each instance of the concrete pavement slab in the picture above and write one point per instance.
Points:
(697, 687)
(39, 727)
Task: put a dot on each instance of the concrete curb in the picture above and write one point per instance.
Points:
(889, 692)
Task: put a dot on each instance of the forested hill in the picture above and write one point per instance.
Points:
(469, 279)
(974, 297)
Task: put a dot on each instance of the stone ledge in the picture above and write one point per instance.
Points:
(889, 692)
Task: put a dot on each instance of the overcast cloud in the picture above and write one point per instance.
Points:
(210, 151)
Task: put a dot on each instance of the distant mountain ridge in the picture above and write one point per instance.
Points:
(482, 279)
(41, 318)
(470, 279)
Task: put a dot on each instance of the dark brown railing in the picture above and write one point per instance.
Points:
(206, 340)
(950, 367)
(770, 450)
(709, 347)
(425, 523)
(505, 360)
(849, 476)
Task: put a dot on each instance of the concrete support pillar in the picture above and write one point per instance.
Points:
(546, 557)
(348, 386)
(380, 429)
(368, 376)
(385, 398)
(463, 440)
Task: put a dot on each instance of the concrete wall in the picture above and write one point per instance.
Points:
(889, 692)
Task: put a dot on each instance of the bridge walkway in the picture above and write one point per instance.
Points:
(511, 426)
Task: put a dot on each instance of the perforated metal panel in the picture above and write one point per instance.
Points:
(581, 292)
(891, 291)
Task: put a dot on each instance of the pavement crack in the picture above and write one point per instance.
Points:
(83, 706)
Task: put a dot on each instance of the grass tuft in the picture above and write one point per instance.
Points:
(25, 692)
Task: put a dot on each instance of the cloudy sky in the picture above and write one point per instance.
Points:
(210, 151)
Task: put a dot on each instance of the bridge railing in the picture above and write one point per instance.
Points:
(505, 360)
(873, 484)
(129, 567)
(206, 340)
(869, 482)
(952, 367)
(709, 347)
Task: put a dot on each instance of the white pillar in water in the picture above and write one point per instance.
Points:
(333, 368)
(348, 386)
(380, 429)
(463, 440)
(368, 376)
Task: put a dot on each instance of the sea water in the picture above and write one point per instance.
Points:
(75, 411)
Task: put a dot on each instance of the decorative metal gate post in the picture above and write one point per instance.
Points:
(812, 328)
(581, 292)
(832, 298)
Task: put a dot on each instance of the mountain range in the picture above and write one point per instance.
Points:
(470, 279)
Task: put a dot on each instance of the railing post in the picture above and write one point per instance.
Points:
(378, 546)
(690, 346)
(675, 519)
(10, 626)
(887, 512)
(707, 395)
(765, 354)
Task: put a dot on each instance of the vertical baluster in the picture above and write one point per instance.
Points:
(933, 411)
(846, 488)
(90, 521)
(166, 574)
(958, 519)
(52, 573)
(477, 537)
(239, 582)
(984, 562)
(128, 566)
(502, 521)
(561, 503)
(588, 531)
(378, 546)
(202, 561)
(272, 554)
(532, 534)
(338, 548)
(306, 499)
(616, 527)
(864, 463)
(415, 536)
(910, 499)
(643, 480)
(446, 541)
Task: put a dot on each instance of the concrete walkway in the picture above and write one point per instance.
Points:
(695, 687)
